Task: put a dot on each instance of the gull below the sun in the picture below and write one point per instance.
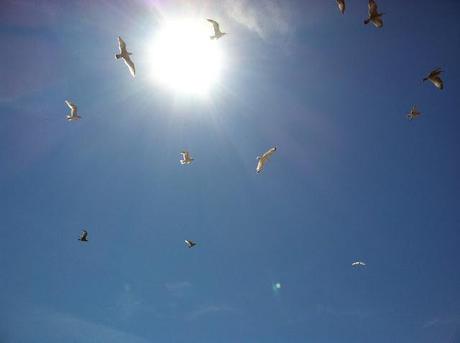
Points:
(126, 56)
(190, 243)
(186, 159)
(435, 78)
(263, 159)
(358, 264)
(217, 32)
(73, 111)
(413, 113)
(374, 16)
(83, 236)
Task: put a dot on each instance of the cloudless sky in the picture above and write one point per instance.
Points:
(352, 178)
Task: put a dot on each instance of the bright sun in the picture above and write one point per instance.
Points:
(184, 58)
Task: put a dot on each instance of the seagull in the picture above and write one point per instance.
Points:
(413, 113)
(125, 55)
(341, 5)
(83, 236)
(186, 159)
(374, 16)
(264, 158)
(435, 78)
(190, 243)
(358, 264)
(73, 111)
(217, 32)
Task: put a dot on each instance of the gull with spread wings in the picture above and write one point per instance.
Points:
(186, 159)
(83, 236)
(435, 78)
(73, 111)
(126, 56)
(374, 16)
(217, 32)
(263, 159)
(413, 113)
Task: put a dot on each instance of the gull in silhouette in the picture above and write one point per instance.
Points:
(190, 243)
(413, 113)
(73, 111)
(435, 78)
(217, 32)
(126, 56)
(186, 159)
(83, 236)
(358, 264)
(341, 6)
(374, 16)
(264, 158)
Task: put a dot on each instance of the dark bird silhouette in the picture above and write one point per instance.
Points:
(83, 236)
(190, 243)
(374, 16)
(435, 78)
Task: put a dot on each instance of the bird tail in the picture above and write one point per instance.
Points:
(366, 21)
(118, 56)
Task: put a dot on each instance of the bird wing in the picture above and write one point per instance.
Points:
(437, 81)
(130, 64)
(260, 164)
(84, 234)
(435, 72)
(372, 7)
(215, 24)
(185, 155)
(121, 44)
(267, 154)
(71, 105)
(341, 4)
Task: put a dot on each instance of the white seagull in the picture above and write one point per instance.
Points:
(217, 32)
(341, 5)
(190, 243)
(83, 236)
(435, 78)
(413, 113)
(374, 16)
(186, 159)
(358, 264)
(264, 158)
(73, 111)
(125, 55)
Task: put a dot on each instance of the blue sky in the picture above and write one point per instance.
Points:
(352, 177)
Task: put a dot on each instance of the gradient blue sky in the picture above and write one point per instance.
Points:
(352, 177)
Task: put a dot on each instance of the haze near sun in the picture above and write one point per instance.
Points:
(184, 58)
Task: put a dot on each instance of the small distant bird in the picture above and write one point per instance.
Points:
(374, 16)
(186, 159)
(413, 113)
(435, 78)
(358, 264)
(190, 243)
(73, 111)
(217, 32)
(341, 5)
(264, 158)
(125, 55)
(83, 236)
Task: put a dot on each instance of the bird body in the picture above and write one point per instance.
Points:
(83, 236)
(126, 56)
(435, 78)
(186, 159)
(358, 264)
(73, 111)
(263, 159)
(341, 6)
(413, 113)
(374, 16)
(217, 32)
(190, 243)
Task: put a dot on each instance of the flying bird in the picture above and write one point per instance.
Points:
(73, 111)
(264, 158)
(413, 113)
(341, 5)
(190, 243)
(374, 16)
(186, 159)
(217, 32)
(435, 78)
(83, 236)
(358, 264)
(125, 55)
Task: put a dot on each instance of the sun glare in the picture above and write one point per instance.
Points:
(184, 59)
